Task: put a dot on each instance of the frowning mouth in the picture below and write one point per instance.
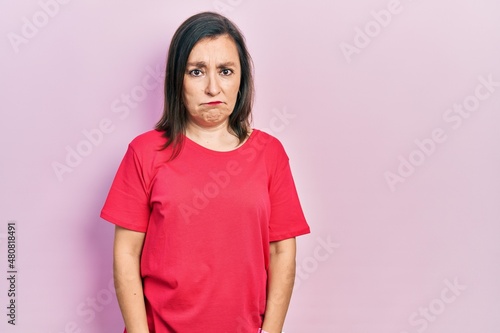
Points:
(214, 103)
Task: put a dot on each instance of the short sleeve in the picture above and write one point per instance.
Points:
(127, 204)
(287, 218)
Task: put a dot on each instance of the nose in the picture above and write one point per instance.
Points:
(213, 86)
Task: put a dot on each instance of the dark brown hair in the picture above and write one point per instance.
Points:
(174, 119)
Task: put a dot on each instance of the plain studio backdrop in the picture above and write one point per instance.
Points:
(389, 111)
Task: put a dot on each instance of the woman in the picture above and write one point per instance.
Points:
(205, 208)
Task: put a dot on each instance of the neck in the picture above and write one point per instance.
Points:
(217, 137)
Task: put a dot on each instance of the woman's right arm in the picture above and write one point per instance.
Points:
(128, 283)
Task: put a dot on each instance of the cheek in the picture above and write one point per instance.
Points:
(188, 94)
(190, 88)
(233, 88)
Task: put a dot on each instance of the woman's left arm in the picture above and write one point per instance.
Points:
(280, 284)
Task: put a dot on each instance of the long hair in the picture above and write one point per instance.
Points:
(174, 119)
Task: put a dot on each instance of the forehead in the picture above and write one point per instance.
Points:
(215, 49)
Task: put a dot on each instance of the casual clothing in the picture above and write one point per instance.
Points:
(208, 217)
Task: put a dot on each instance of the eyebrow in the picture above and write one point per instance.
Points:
(202, 64)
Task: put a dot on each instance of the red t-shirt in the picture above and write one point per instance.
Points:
(208, 217)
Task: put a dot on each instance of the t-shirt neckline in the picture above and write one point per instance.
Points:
(219, 152)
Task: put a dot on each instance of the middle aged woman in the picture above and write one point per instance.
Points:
(205, 208)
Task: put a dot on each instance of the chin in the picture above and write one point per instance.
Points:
(215, 114)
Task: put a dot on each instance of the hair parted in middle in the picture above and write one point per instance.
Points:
(174, 119)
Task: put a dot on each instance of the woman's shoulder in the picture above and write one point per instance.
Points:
(147, 143)
(268, 144)
(262, 137)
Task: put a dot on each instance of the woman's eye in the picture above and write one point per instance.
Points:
(195, 72)
(226, 72)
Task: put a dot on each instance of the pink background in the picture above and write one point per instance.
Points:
(401, 189)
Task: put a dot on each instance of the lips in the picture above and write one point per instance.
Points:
(214, 103)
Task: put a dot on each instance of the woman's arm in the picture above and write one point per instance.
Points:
(280, 284)
(128, 283)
